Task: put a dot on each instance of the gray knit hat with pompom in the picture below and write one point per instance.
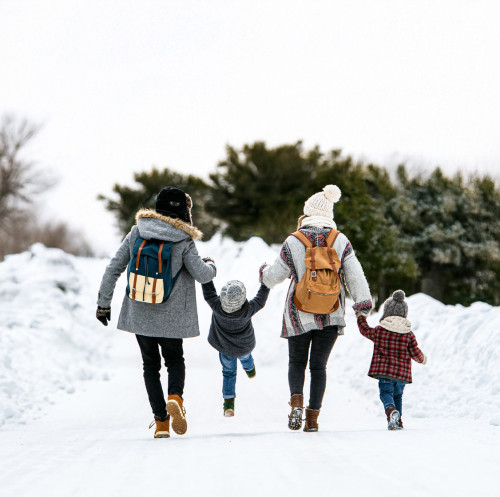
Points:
(233, 296)
(396, 306)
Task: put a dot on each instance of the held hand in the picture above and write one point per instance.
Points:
(103, 314)
(210, 262)
(261, 271)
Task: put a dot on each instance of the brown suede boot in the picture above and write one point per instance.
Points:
(392, 418)
(162, 427)
(311, 419)
(295, 416)
(176, 412)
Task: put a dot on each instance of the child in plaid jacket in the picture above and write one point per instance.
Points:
(394, 347)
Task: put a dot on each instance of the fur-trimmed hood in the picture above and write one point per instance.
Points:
(153, 225)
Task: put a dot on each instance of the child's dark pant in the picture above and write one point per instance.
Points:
(171, 350)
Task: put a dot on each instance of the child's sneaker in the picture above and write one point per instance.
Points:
(176, 411)
(228, 408)
(251, 372)
(392, 418)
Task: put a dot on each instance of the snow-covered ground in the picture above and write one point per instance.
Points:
(74, 411)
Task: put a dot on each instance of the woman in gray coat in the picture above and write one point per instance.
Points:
(160, 325)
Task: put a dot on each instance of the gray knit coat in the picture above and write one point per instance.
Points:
(178, 316)
(232, 333)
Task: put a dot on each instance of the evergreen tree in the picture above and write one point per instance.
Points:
(453, 230)
(130, 199)
(261, 191)
(361, 214)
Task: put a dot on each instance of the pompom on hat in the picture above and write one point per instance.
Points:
(396, 306)
(321, 203)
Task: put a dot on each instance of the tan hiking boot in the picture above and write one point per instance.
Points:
(162, 427)
(295, 416)
(177, 413)
(311, 420)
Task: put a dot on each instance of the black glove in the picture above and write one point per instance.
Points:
(103, 314)
(210, 261)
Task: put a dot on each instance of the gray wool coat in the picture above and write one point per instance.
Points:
(178, 316)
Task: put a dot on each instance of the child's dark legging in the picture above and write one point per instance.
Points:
(321, 343)
(171, 350)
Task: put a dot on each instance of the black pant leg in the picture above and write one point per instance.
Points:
(152, 364)
(173, 353)
(298, 352)
(321, 346)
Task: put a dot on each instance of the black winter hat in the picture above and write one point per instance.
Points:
(173, 202)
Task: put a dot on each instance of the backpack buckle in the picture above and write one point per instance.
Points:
(313, 274)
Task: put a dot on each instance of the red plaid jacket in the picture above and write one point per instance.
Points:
(392, 352)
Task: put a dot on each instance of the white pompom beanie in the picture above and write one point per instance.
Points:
(321, 204)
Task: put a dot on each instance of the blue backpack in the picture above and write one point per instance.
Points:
(149, 272)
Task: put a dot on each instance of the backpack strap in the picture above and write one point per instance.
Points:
(303, 238)
(159, 270)
(137, 267)
(330, 240)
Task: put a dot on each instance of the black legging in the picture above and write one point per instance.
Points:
(171, 350)
(321, 343)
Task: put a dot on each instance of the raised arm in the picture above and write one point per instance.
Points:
(114, 269)
(364, 329)
(201, 271)
(259, 301)
(210, 294)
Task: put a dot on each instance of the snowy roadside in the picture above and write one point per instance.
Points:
(49, 340)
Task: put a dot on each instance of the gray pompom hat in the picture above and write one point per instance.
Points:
(396, 306)
(233, 296)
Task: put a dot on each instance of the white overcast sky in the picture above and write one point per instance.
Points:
(120, 86)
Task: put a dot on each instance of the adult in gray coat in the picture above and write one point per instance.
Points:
(162, 326)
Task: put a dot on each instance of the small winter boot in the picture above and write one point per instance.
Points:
(162, 427)
(400, 423)
(311, 420)
(295, 416)
(177, 413)
(392, 418)
(229, 408)
(251, 372)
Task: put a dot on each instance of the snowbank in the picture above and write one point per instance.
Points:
(49, 337)
(50, 340)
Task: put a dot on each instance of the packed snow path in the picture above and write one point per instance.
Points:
(96, 443)
(75, 410)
